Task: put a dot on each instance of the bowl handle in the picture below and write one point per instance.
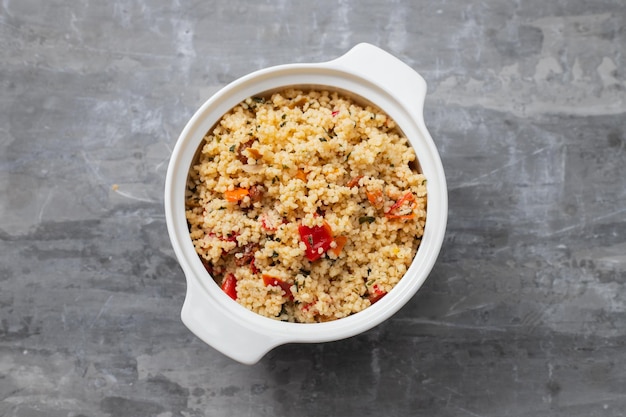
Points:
(215, 327)
(384, 69)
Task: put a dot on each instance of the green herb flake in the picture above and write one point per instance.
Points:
(323, 140)
(232, 148)
(348, 156)
(258, 99)
(283, 311)
(366, 219)
(274, 254)
(284, 116)
(330, 132)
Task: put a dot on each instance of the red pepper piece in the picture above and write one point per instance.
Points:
(354, 181)
(273, 281)
(392, 213)
(229, 286)
(314, 238)
(253, 267)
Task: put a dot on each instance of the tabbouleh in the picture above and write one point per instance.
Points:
(305, 206)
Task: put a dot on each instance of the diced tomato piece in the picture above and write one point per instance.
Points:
(307, 307)
(229, 286)
(231, 237)
(273, 281)
(266, 225)
(398, 212)
(253, 267)
(316, 238)
(376, 294)
(270, 220)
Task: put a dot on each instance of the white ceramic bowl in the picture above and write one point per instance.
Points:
(365, 72)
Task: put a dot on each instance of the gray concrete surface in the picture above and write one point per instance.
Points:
(524, 313)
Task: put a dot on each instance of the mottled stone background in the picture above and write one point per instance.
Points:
(524, 313)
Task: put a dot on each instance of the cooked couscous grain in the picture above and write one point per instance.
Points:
(305, 206)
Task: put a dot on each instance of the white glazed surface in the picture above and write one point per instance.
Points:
(368, 72)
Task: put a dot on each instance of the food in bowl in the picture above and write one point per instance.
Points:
(306, 206)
